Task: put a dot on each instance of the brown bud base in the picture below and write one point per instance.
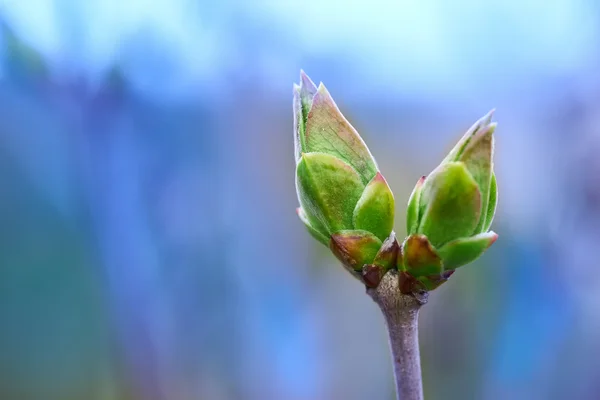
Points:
(388, 254)
(409, 285)
(372, 275)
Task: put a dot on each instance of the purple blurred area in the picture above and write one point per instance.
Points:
(149, 246)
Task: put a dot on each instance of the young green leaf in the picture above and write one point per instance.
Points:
(328, 131)
(412, 211)
(477, 157)
(458, 149)
(492, 202)
(450, 203)
(328, 190)
(374, 211)
(463, 251)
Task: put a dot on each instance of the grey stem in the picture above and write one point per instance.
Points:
(401, 314)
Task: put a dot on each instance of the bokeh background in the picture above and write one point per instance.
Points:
(149, 246)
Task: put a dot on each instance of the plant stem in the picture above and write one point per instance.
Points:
(401, 313)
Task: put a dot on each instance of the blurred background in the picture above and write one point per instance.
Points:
(149, 246)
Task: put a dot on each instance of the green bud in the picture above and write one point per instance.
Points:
(450, 211)
(345, 201)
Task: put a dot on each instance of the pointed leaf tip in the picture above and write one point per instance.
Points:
(307, 84)
(492, 127)
(487, 118)
(324, 93)
(481, 123)
(305, 100)
(494, 237)
(464, 251)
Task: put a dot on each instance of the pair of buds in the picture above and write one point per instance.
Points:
(346, 203)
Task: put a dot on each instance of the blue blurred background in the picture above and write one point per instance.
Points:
(149, 246)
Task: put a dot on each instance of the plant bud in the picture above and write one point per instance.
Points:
(345, 202)
(450, 211)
